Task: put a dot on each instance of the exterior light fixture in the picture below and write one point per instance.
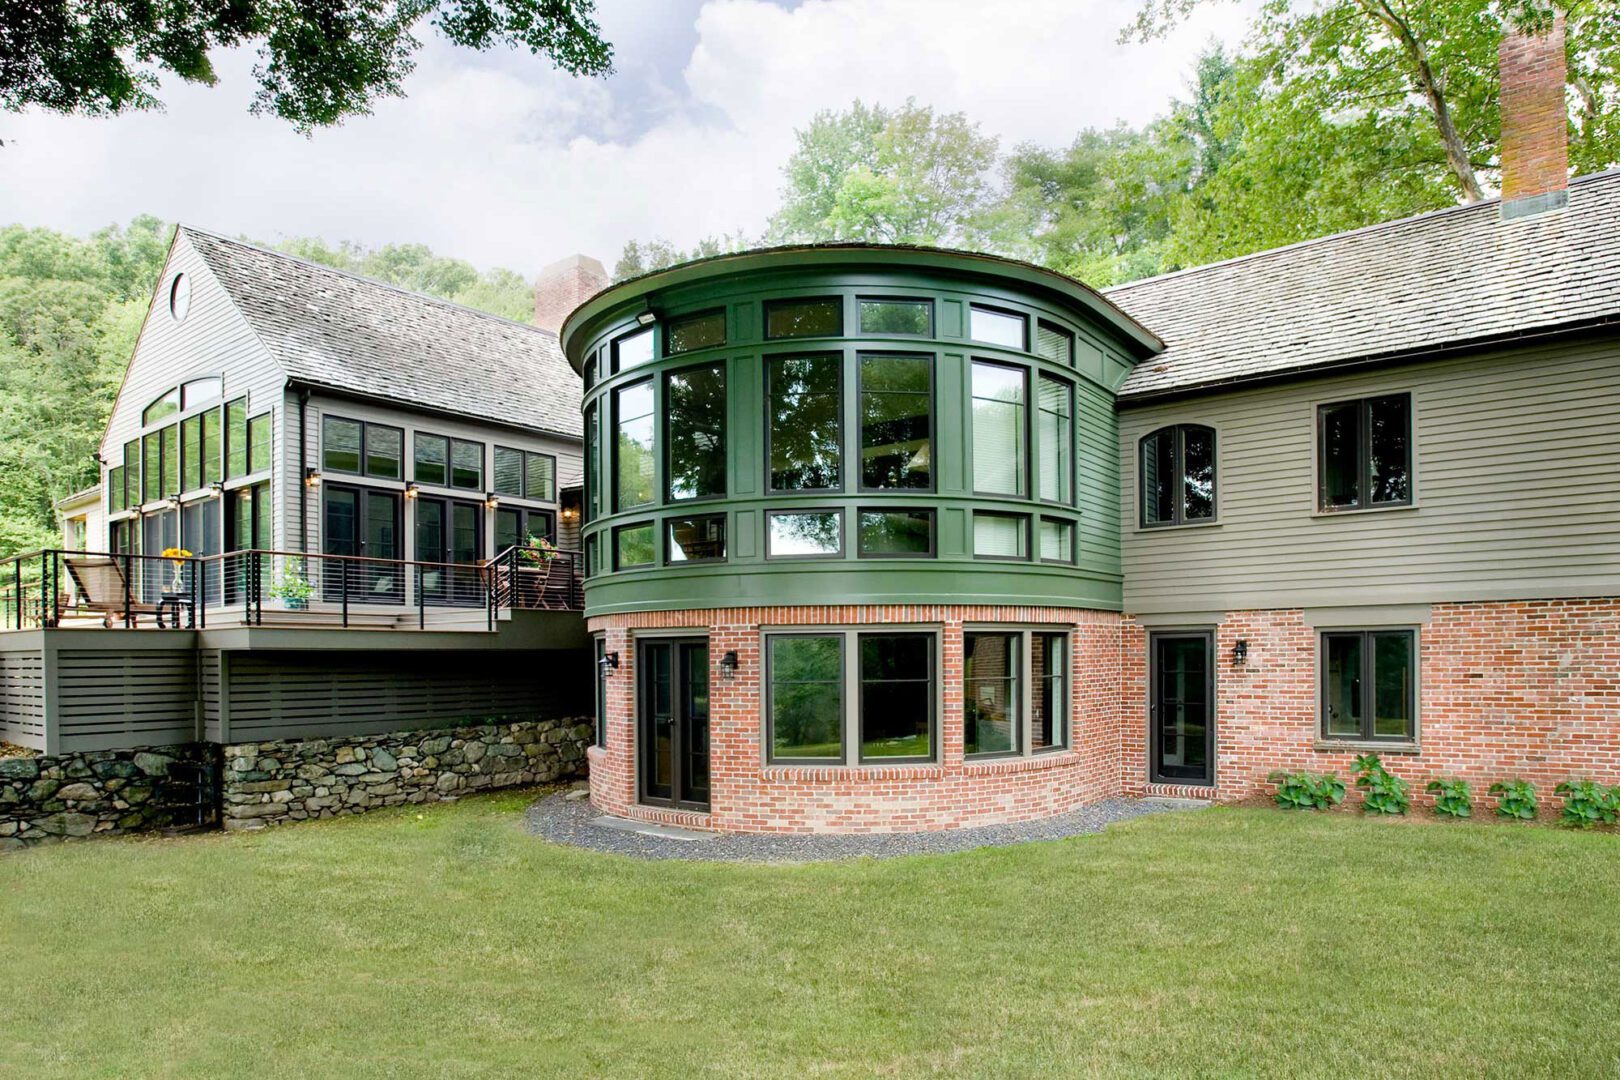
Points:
(412, 491)
(646, 318)
(609, 662)
(173, 501)
(728, 663)
(492, 500)
(216, 487)
(1240, 652)
(569, 513)
(312, 476)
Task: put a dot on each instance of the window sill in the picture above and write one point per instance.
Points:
(1001, 766)
(1320, 513)
(1393, 746)
(836, 774)
(1148, 530)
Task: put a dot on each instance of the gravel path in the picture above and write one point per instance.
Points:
(576, 822)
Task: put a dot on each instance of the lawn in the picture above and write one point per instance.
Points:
(447, 942)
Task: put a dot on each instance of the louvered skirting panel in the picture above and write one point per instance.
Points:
(208, 672)
(22, 698)
(107, 699)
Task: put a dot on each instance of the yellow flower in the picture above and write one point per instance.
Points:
(176, 553)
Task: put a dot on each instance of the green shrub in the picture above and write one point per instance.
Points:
(1515, 799)
(1386, 793)
(1307, 791)
(1452, 798)
(1588, 803)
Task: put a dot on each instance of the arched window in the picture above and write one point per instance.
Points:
(1178, 475)
(163, 408)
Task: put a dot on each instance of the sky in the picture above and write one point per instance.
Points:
(499, 159)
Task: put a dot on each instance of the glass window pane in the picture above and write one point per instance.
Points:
(1393, 672)
(1050, 699)
(213, 447)
(1055, 399)
(633, 545)
(259, 443)
(236, 438)
(1054, 343)
(1159, 477)
(132, 473)
(811, 532)
(540, 477)
(593, 478)
(1341, 455)
(201, 392)
(897, 695)
(633, 445)
(385, 452)
(695, 539)
(804, 318)
(340, 445)
(896, 425)
(997, 327)
(152, 466)
(163, 408)
(115, 489)
(171, 459)
(1197, 473)
(991, 694)
(508, 471)
(697, 332)
(466, 464)
(897, 317)
(896, 532)
(432, 459)
(1341, 689)
(998, 429)
(191, 453)
(1057, 540)
(805, 426)
(806, 697)
(633, 350)
(1002, 536)
(1389, 449)
(695, 408)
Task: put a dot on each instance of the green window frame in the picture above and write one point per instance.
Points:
(897, 409)
(1000, 536)
(1369, 683)
(633, 349)
(804, 422)
(704, 330)
(897, 532)
(896, 316)
(1000, 403)
(634, 449)
(1056, 541)
(593, 462)
(1055, 440)
(1054, 343)
(634, 546)
(998, 326)
(699, 538)
(811, 316)
(694, 413)
(813, 525)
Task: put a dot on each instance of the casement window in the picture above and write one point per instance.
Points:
(1000, 536)
(695, 432)
(525, 474)
(1015, 692)
(851, 696)
(1005, 328)
(817, 317)
(705, 331)
(897, 402)
(1000, 429)
(804, 423)
(633, 445)
(911, 318)
(701, 538)
(633, 546)
(804, 534)
(1055, 423)
(1364, 453)
(1369, 684)
(1054, 343)
(354, 447)
(236, 439)
(633, 350)
(1178, 475)
(1056, 540)
(891, 534)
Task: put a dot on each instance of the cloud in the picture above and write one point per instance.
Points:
(501, 160)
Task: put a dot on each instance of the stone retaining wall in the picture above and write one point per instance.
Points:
(270, 783)
(103, 792)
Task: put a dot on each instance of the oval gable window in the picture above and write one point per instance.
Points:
(180, 297)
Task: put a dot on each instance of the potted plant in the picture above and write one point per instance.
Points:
(291, 587)
(536, 551)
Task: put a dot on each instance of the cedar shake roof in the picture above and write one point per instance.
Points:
(347, 333)
(1443, 280)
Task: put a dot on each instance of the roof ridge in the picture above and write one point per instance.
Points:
(430, 298)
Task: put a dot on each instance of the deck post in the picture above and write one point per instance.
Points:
(129, 598)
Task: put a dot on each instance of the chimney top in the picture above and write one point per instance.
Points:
(563, 286)
(1535, 136)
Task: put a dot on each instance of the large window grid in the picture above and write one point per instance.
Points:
(1015, 691)
(841, 697)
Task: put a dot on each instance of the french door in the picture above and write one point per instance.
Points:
(450, 532)
(674, 723)
(364, 523)
(1181, 720)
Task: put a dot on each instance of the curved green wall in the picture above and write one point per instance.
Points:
(740, 287)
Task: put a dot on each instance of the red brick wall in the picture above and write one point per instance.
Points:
(1535, 142)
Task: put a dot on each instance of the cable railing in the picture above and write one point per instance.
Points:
(59, 588)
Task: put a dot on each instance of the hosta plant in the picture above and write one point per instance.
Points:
(1588, 803)
(1307, 791)
(1383, 791)
(1452, 798)
(1515, 799)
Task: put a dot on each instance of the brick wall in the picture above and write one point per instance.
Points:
(1535, 142)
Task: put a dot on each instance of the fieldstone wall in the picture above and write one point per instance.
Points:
(270, 783)
(101, 793)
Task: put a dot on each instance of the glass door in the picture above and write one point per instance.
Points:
(450, 532)
(357, 522)
(674, 727)
(1181, 723)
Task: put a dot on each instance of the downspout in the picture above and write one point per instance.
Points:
(303, 470)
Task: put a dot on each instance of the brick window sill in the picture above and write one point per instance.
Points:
(837, 774)
(1034, 763)
(1363, 746)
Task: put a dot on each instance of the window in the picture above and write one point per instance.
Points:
(347, 446)
(1178, 475)
(171, 460)
(999, 404)
(1369, 684)
(191, 453)
(695, 539)
(524, 474)
(804, 534)
(236, 438)
(600, 648)
(895, 533)
(633, 445)
(1057, 540)
(805, 426)
(385, 452)
(695, 332)
(201, 391)
(896, 421)
(508, 466)
(180, 298)
(1055, 402)
(804, 318)
(430, 459)
(633, 350)
(1000, 536)
(161, 409)
(514, 523)
(805, 704)
(132, 474)
(340, 444)
(593, 475)
(152, 466)
(633, 546)
(212, 447)
(466, 464)
(1054, 343)
(998, 327)
(991, 695)
(897, 317)
(695, 431)
(590, 371)
(259, 443)
(1365, 453)
(117, 497)
(896, 696)
(1049, 681)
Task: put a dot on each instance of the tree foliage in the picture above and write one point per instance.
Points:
(644, 256)
(415, 267)
(319, 61)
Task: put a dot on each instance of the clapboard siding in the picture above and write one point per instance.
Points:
(1517, 491)
(289, 695)
(1097, 478)
(107, 698)
(22, 697)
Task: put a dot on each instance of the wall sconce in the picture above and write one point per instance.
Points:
(1240, 652)
(412, 491)
(491, 500)
(609, 662)
(728, 664)
(312, 476)
(569, 513)
(172, 501)
(216, 487)
(646, 318)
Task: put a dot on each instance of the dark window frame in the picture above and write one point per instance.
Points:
(657, 346)
(996, 309)
(1364, 478)
(696, 316)
(1058, 328)
(227, 444)
(1030, 408)
(416, 439)
(843, 531)
(725, 539)
(933, 424)
(645, 523)
(1038, 463)
(1016, 681)
(365, 447)
(525, 459)
(1064, 678)
(843, 758)
(934, 725)
(787, 301)
(1178, 484)
(899, 335)
(483, 465)
(1369, 685)
(1024, 516)
(666, 417)
(841, 361)
(652, 383)
(1073, 525)
(600, 698)
(933, 532)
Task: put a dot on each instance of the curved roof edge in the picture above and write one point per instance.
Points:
(1142, 341)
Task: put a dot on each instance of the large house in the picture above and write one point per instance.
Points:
(883, 538)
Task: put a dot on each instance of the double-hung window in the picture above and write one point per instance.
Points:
(1015, 692)
(1364, 453)
(1178, 475)
(1369, 684)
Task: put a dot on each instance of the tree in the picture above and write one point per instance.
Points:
(644, 256)
(320, 61)
(903, 176)
(415, 267)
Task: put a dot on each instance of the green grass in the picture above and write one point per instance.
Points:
(1225, 942)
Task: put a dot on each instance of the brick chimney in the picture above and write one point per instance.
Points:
(563, 286)
(1535, 137)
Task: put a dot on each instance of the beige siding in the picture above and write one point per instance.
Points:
(1517, 491)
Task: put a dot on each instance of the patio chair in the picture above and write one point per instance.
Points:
(99, 584)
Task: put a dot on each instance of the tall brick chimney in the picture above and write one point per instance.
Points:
(563, 286)
(1535, 137)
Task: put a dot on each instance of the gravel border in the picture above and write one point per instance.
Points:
(572, 821)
